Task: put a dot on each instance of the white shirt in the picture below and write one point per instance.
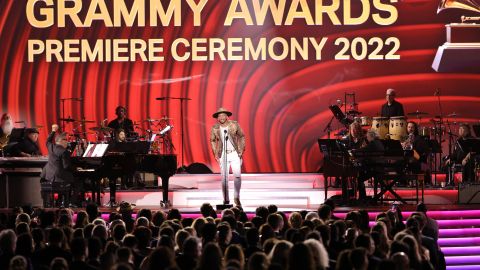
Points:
(224, 130)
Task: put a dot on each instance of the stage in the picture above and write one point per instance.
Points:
(289, 191)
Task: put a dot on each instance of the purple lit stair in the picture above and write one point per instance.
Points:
(459, 236)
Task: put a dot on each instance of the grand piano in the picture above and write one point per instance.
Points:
(123, 160)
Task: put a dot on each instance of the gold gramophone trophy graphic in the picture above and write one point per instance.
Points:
(461, 51)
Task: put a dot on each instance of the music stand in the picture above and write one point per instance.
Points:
(476, 130)
(95, 150)
(392, 148)
(17, 135)
(470, 145)
(339, 115)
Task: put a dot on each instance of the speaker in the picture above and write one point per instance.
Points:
(469, 193)
(198, 168)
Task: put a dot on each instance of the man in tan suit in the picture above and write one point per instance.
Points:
(228, 144)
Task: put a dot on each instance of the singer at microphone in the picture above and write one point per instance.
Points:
(228, 144)
(392, 108)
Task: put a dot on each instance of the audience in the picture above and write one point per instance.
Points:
(272, 239)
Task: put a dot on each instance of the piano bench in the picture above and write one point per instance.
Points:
(48, 191)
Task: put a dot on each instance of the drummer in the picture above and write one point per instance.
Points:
(122, 122)
(392, 108)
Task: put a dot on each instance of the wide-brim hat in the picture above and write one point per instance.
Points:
(222, 110)
(125, 207)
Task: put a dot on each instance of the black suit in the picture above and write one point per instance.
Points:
(58, 168)
(26, 146)
(395, 109)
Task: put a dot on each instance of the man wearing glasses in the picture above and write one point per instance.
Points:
(392, 108)
(58, 170)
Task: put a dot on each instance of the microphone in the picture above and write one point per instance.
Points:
(226, 136)
(437, 92)
(162, 98)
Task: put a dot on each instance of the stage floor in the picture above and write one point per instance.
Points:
(289, 191)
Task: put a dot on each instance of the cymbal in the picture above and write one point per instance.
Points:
(417, 113)
(85, 121)
(454, 114)
(354, 112)
(101, 129)
(68, 120)
(151, 120)
(157, 120)
(83, 132)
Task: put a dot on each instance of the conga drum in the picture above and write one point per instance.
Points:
(380, 125)
(398, 128)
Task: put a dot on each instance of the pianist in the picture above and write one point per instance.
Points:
(28, 147)
(356, 139)
(374, 145)
(58, 170)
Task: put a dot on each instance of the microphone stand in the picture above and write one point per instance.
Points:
(182, 99)
(328, 128)
(62, 100)
(449, 181)
(225, 169)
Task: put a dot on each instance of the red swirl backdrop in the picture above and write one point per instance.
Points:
(281, 105)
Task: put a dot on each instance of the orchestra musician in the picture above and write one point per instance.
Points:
(6, 127)
(463, 156)
(28, 147)
(122, 122)
(373, 145)
(391, 108)
(417, 144)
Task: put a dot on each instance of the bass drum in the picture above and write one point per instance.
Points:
(380, 125)
(398, 128)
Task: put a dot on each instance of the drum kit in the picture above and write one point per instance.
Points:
(157, 131)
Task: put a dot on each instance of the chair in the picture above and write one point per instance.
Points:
(50, 188)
